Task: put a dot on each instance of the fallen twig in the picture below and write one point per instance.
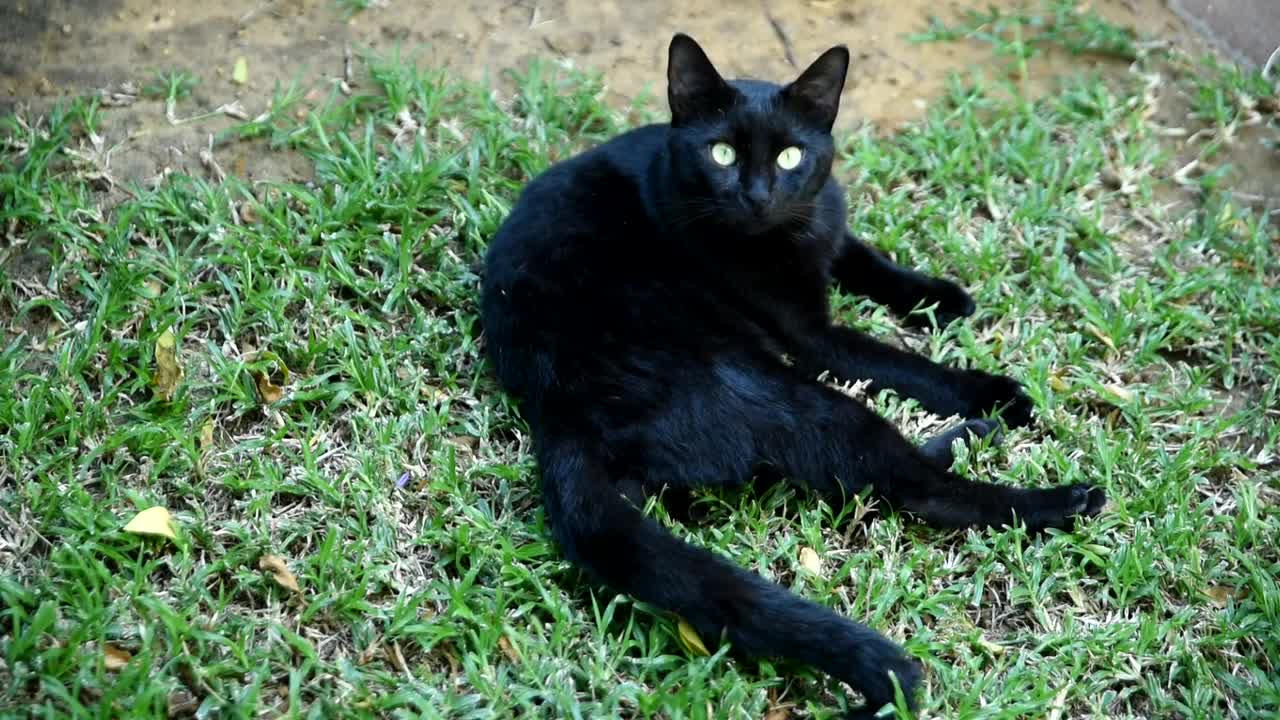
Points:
(782, 37)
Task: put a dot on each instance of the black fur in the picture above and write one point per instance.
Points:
(640, 300)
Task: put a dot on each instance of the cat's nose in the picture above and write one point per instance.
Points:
(758, 197)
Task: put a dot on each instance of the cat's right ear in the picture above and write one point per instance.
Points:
(694, 87)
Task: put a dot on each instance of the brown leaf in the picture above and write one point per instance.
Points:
(396, 657)
(1219, 595)
(778, 712)
(168, 371)
(114, 658)
(279, 572)
(182, 702)
(369, 653)
(508, 649)
(266, 390)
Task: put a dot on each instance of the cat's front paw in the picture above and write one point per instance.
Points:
(1000, 395)
(1060, 507)
(950, 301)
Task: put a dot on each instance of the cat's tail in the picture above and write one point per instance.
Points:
(606, 534)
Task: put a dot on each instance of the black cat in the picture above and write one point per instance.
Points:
(659, 306)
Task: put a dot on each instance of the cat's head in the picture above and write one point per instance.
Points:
(747, 153)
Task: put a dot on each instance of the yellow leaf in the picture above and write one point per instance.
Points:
(810, 560)
(168, 371)
(990, 646)
(1119, 391)
(507, 649)
(206, 434)
(275, 565)
(1094, 331)
(266, 390)
(240, 71)
(152, 521)
(690, 640)
(1058, 384)
(114, 658)
(1059, 704)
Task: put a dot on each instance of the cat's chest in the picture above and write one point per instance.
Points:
(785, 300)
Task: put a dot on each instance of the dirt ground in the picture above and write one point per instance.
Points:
(52, 48)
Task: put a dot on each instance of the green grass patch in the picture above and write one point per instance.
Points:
(395, 481)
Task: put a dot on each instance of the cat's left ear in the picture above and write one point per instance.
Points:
(816, 93)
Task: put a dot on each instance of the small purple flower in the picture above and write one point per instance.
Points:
(404, 480)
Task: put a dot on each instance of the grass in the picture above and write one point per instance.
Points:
(394, 480)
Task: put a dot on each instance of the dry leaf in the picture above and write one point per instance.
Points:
(1094, 331)
(182, 702)
(1058, 384)
(168, 372)
(240, 71)
(690, 640)
(810, 560)
(994, 648)
(275, 565)
(395, 656)
(268, 392)
(114, 658)
(1059, 703)
(507, 649)
(206, 434)
(1121, 392)
(152, 521)
(780, 712)
(1219, 595)
(997, 343)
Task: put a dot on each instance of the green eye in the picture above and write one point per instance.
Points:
(790, 157)
(723, 154)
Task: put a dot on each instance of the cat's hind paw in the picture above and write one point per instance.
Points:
(939, 449)
(1061, 507)
(1000, 394)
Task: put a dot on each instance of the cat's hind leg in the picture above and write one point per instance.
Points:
(746, 414)
(604, 533)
